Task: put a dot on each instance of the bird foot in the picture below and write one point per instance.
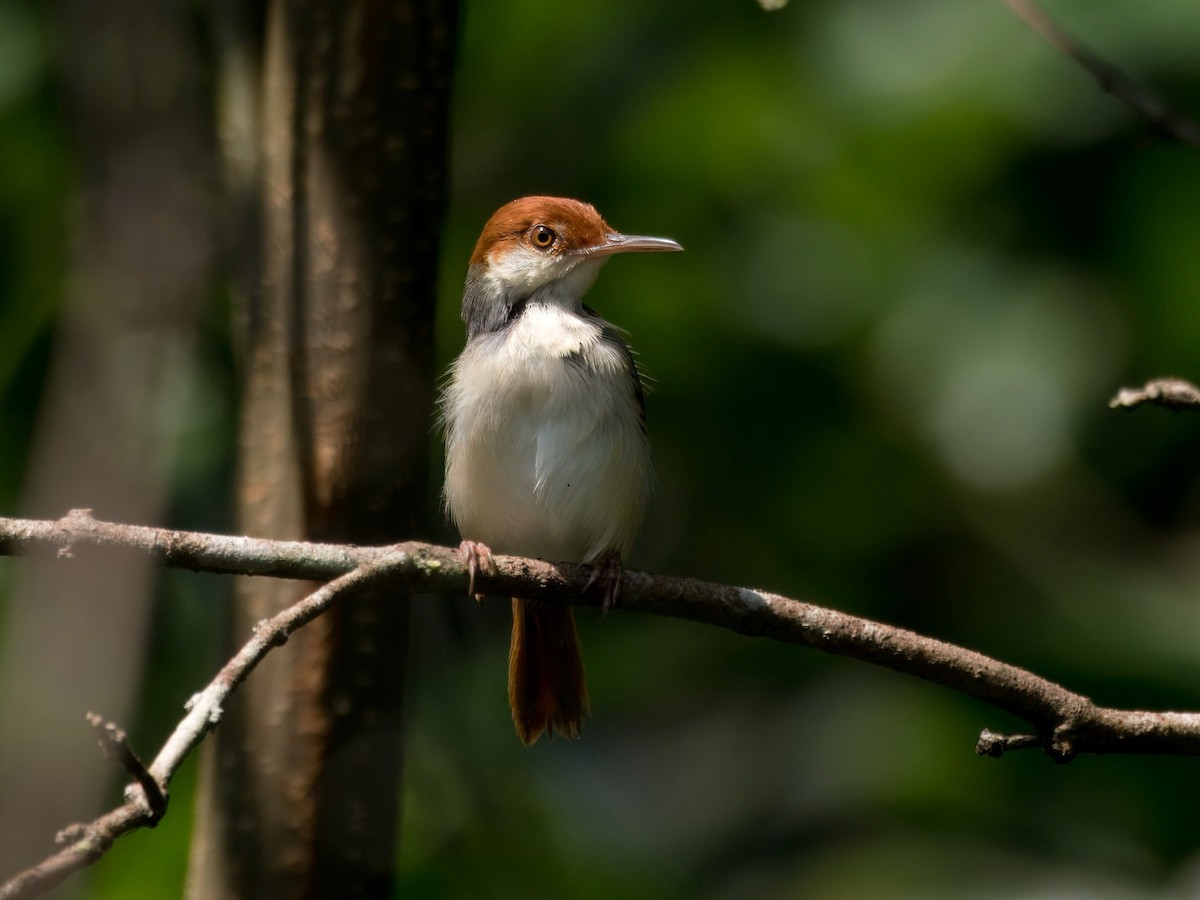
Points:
(478, 558)
(607, 571)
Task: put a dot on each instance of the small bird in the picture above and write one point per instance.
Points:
(544, 418)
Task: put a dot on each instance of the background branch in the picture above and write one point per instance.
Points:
(1111, 79)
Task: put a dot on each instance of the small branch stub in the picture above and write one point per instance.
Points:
(996, 745)
(1162, 118)
(1059, 745)
(115, 744)
(1172, 393)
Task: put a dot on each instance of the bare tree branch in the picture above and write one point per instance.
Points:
(1111, 79)
(1173, 393)
(1063, 723)
(145, 804)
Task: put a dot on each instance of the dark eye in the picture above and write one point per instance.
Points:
(542, 236)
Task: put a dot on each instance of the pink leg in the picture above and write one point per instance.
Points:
(608, 571)
(478, 557)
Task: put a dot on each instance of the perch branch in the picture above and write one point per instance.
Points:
(1173, 393)
(1063, 723)
(1111, 79)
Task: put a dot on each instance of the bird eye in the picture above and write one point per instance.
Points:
(542, 236)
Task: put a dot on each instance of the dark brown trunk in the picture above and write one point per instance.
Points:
(301, 791)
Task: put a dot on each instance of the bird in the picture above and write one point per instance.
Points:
(543, 414)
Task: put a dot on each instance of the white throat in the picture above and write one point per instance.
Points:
(542, 279)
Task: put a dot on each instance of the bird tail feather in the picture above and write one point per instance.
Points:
(546, 686)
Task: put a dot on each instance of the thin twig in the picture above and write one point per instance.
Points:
(1063, 723)
(1111, 79)
(87, 843)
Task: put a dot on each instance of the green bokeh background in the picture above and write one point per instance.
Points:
(924, 250)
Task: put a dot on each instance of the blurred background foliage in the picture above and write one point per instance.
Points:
(924, 250)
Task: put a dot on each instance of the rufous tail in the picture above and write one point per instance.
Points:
(546, 686)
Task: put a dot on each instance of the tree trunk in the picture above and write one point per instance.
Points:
(300, 790)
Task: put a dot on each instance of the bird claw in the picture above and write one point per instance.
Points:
(607, 570)
(478, 557)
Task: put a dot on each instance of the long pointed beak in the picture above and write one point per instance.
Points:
(630, 243)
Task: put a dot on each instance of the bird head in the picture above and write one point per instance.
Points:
(545, 248)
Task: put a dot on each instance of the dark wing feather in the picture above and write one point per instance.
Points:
(611, 335)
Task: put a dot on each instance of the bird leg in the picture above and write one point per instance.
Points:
(478, 557)
(608, 571)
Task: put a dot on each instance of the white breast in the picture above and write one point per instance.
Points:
(545, 451)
